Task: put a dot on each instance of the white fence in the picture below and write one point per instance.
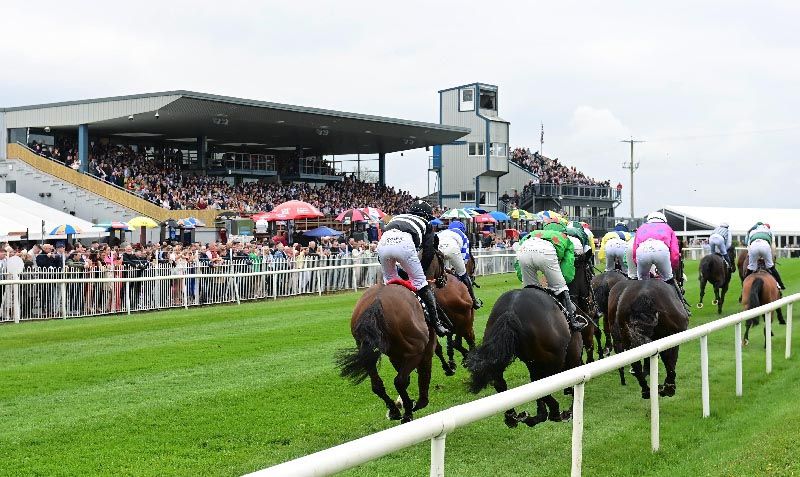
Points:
(44, 293)
(436, 426)
(696, 253)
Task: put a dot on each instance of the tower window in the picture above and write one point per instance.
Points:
(488, 99)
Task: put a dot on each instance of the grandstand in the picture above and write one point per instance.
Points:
(180, 153)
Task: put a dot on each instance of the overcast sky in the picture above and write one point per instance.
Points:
(712, 86)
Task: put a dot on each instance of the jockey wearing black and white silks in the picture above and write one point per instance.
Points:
(402, 237)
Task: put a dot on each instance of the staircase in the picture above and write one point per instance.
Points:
(87, 197)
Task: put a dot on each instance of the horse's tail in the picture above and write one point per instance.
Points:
(495, 353)
(643, 319)
(705, 268)
(370, 334)
(754, 297)
(601, 296)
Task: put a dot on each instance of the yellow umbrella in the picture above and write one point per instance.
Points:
(520, 214)
(141, 221)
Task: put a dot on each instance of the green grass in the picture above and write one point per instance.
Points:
(230, 389)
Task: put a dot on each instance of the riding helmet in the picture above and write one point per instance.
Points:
(656, 216)
(422, 209)
(458, 225)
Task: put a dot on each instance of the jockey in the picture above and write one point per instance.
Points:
(454, 245)
(550, 251)
(759, 245)
(613, 247)
(589, 234)
(720, 241)
(656, 244)
(402, 237)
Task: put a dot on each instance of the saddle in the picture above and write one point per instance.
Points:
(403, 282)
(410, 286)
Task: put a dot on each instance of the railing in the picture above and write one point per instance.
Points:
(572, 191)
(436, 426)
(242, 161)
(46, 293)
(696, 253)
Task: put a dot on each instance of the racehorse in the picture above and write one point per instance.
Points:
(580, 289)
(759, 288)
(647, 310)
(456, 303)
(470, 266)
(527, 324)
(741, 262)
(714, 269)
(601, 288)
(389, 320)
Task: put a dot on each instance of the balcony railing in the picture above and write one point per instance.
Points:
(572, 191)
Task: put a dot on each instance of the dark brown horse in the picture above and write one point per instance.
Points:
(647, 310)
(527, 324)
(741, 261)
(389, 320)
(759, 288)
(714, 269)
(580, 289)
(456, 303)
(601, 288)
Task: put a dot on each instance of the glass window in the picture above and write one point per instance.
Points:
(499, 149)
(467, 94)
(468, 196)
(488, 100)
(466, 99)
(488, 198)
(477, 149)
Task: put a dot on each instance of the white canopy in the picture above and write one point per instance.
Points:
(740, 219)
(19, 215)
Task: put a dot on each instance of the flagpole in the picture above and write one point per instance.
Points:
(541, 142)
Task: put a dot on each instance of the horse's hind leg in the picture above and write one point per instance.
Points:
(703, 282)
(721, 301)
(546, 407)
(716, 294)
(670, 360)
(639, 373)
(511, 418)
(451, 352)
(598, 336)
(779, 314)
(380, 390)
(401, 382)
(423, 382)
(448, 371)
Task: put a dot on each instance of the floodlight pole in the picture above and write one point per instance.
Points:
(632, 166)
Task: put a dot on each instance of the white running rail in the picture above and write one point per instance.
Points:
(436, 426)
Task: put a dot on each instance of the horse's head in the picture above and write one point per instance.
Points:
(435, 271)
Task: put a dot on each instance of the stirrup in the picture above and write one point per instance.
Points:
(477, 304)
(439, 329)
(577, 322)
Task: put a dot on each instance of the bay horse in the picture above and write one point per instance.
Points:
(580, 289)
(601, 288)
(389, 320)
(759, 288)
(527, 324)
(455, 302)
(714, 269)
(741, 262)
(647, 310)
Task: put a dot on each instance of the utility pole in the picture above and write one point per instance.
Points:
(632, 166)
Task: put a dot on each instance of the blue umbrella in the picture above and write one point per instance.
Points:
(476, 209)
(436, 222)
(499, 216)
(65, 229)
(322, 232)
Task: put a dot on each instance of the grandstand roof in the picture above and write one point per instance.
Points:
(19, 215)
(740, 219)
(186, 115)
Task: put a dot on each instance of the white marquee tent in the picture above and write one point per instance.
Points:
(19, 215)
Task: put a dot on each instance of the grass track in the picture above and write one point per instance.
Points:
(229, 389)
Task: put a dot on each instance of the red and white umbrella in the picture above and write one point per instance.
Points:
(352, 215)
(293, 210)
(484, 219)
(374, 212)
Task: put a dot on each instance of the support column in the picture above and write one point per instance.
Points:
(382, 168)
(83, 147)
(202, 149)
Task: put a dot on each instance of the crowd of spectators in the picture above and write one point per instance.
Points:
(165, 184)
(551, 171)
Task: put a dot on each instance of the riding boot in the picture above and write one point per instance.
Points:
(774, 272)
(426, 293)
(727, 261)
(466, 280)
(674, 284)
(572, 321)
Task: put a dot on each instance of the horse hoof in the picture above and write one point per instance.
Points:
(568, 392)
(666, 390)
(406, 419)
(449, 371)
(700, 305)
(420, 405)
(393, 414)
(645, 394)
(745, 342)
(512, 420)
(715, 302)
(566, 416)
(555, 416)
(453, 365)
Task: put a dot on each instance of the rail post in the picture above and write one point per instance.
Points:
(437, 455)
(128, 297)
(577, 429)
(737, 348)
(655, 440)
(789, 330)
(185, 283)
(704, 391)
(768, 339)
(63, 288)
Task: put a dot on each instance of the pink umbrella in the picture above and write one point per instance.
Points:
(355, 215)
(374, 212)
(295, 209)
(484, 218)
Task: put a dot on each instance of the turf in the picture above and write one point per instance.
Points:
(230, 389)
